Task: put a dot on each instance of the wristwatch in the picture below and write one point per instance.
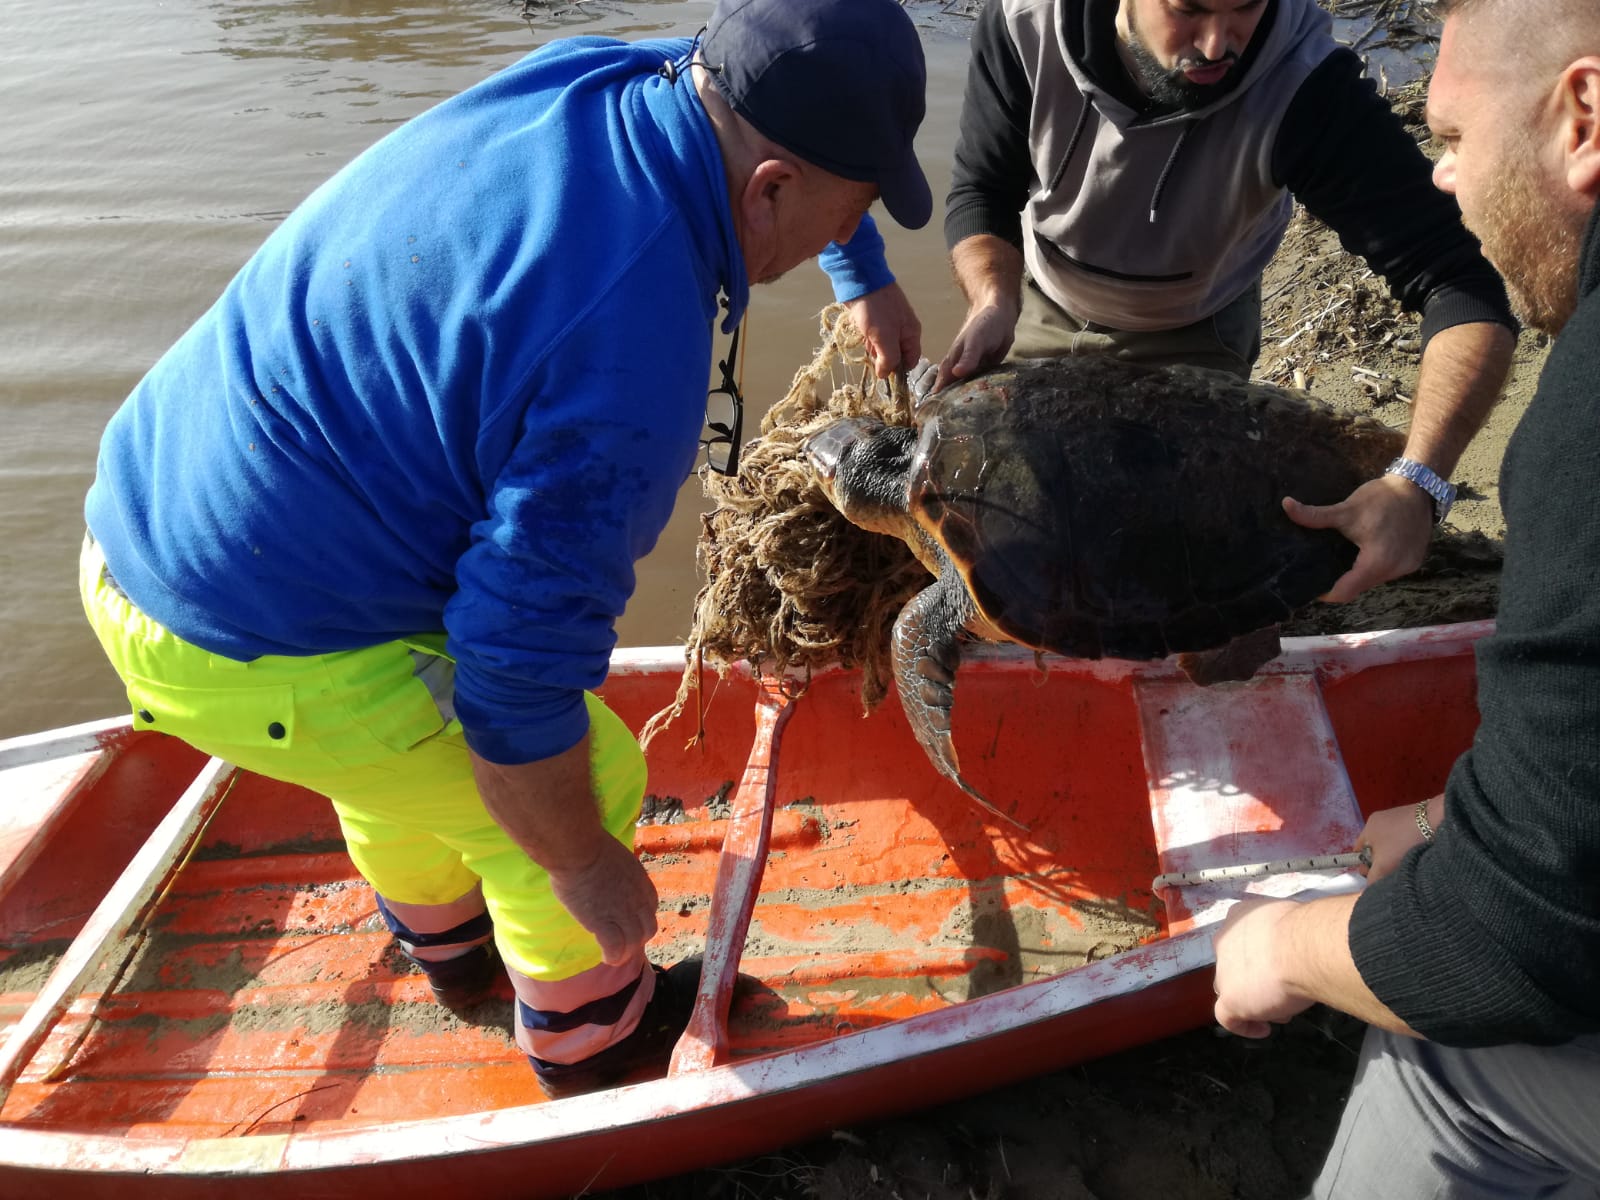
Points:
(1441, 491)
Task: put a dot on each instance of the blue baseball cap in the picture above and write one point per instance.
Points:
(841, 83)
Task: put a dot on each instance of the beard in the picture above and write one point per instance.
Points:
(1533, 243)
(1170, 88)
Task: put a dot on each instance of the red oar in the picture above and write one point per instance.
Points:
(744, 858)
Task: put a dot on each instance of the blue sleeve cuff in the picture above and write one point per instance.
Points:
(859, 266)
(561, 726)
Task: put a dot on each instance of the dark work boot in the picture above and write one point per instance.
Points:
(466, 980)
(650, 1044)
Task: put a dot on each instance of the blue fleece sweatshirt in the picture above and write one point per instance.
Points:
(458, 389)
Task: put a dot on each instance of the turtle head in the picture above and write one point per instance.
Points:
(864, 468)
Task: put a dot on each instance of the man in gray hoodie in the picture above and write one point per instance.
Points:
(1125, 171)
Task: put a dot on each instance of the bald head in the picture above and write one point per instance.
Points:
(1546, 9)
(1497, 34)
(1515, 102)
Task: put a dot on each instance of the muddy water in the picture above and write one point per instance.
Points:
(147, 149)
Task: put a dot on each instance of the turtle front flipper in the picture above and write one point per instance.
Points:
(926, 651)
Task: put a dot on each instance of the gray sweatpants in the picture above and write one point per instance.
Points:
(1428, 1122)
(1228, 341)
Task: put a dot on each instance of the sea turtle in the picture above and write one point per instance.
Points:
(1099, 508)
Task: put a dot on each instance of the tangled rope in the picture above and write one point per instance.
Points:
(790, 584)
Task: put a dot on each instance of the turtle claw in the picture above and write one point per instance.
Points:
(988, 807)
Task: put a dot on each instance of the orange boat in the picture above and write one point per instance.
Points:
(202, 1002)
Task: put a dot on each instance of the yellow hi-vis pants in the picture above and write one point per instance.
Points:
(363, 728)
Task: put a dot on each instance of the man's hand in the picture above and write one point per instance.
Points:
(1252, 991)
(891, 327)
(1389, 519)
(1276, 958)
(982, 342)
(1392, 832)
(547, 807)
(613, 898)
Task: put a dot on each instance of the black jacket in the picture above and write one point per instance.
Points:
(1491, 933)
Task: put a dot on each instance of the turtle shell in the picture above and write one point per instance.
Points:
(1097, 507)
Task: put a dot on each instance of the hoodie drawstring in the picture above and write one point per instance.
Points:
(1072, 143)
(1166, 171)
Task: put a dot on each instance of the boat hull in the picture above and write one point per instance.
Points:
(901, 947)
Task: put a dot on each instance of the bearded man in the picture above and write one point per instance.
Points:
(1125, 171)
(1474, 952)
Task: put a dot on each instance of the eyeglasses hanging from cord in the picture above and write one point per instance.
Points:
(725, 411)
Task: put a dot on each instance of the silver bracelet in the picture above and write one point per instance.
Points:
(1441, 491)
(1422, 821)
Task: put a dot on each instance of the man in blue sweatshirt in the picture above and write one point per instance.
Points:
(368, 525)
(1474, 952)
